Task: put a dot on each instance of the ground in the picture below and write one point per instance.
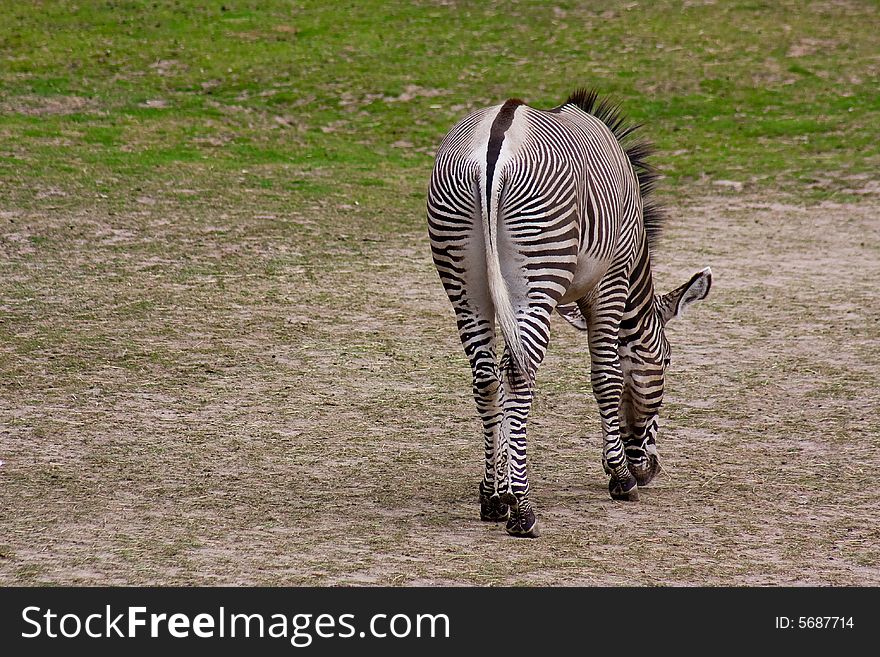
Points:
(226, 358)
(315, 426)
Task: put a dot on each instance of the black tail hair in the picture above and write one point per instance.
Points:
(638, 151)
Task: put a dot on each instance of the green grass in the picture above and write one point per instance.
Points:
(773, 95)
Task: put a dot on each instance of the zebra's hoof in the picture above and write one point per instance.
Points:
(509, 499)
(645, 473)
(523, 524)
(492, 509)
(625, 488)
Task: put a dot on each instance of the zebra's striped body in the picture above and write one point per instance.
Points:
(531, 211)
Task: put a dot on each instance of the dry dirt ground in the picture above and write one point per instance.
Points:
(233, 400)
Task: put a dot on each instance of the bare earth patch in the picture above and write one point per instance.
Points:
(32, 105)
(224, 398)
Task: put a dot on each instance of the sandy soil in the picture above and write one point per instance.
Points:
(189, 401)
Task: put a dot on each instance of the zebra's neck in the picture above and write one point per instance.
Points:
(640, 314)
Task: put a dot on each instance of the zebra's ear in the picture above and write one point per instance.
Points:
(673, 304)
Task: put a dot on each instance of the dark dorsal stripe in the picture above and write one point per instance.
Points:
(496, 138)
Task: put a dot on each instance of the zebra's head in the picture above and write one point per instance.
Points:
(671, 305)
(645, 364)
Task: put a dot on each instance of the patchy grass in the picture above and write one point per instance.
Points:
(226, 357)
(96, 95)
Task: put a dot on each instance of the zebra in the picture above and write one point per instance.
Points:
(531, 211)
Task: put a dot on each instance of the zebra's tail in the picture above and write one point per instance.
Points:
(499, 290)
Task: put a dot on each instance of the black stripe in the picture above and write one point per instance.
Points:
(496, 138)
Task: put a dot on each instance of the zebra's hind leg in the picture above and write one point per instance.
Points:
(476, 314)
(511, 463)
(488, 395)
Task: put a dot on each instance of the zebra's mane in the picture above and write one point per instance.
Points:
(637, 150)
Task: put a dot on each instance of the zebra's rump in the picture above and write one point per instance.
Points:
(562, 187)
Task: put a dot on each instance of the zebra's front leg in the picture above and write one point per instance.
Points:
(640, 445)
(607, 385)
(607, 382)
(639, 413)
